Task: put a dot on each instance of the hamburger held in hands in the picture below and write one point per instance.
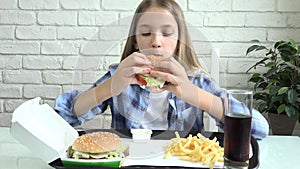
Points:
(97, 145)
(150, 81)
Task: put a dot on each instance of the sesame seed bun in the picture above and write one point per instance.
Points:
(155, 59)
(97, 142)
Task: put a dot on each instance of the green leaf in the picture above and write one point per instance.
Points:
(285, 55)
(254, 78)
(281, 108)
(255, 41)
(293, 42)
(273, 90)
(270, 64)
(262, 85)
(262, 107)
(290, 111)
(292, 96)
(258, 96)
(272, 81)
(270, 72)
(255, 48)
(256, 75)
(279, 43)
(287, 50)
(251, 48)
(261, 48)
(277, 99)
(282, 90)
(298, 86)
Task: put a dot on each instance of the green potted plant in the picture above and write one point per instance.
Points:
(277, 90)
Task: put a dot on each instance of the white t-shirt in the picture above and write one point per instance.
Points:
(156, 117)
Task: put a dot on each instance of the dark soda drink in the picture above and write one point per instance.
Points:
(237, 137)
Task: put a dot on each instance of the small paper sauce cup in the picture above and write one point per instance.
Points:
(141, 135)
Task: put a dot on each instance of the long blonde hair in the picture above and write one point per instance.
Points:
(185, 53)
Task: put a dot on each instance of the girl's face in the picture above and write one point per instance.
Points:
(157, 30)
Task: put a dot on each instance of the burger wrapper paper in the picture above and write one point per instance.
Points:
(42, 130)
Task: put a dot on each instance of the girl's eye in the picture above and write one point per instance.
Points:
(167, 34)
(146, 34)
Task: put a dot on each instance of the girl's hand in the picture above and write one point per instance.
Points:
(136, 63)
(177, 77)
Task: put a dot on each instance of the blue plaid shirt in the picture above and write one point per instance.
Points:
(127, 108)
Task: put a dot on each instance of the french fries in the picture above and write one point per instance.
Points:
(196, 149)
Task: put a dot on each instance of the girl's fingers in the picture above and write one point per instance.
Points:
(132, 71)
(171, 65)
(166, 76)
(137, 59)
(139, 70)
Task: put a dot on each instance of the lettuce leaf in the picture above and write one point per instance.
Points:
(153, 81)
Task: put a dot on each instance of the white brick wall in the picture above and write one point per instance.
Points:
(50, 46)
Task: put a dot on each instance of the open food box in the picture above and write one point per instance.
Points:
(42, 130)
(49, 136)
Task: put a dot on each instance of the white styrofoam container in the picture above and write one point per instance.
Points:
(42, 130)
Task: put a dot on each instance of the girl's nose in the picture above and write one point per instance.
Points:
(156, 40)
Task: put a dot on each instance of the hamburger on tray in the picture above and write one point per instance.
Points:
(101, 149)
(97, 145)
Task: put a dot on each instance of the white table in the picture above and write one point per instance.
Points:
(280, 152)
(275, 152)
(14, 155)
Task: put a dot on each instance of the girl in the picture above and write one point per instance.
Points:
(157, 26)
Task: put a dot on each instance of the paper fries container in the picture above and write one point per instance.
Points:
(42, 130)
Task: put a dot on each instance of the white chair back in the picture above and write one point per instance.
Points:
(209, 122)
